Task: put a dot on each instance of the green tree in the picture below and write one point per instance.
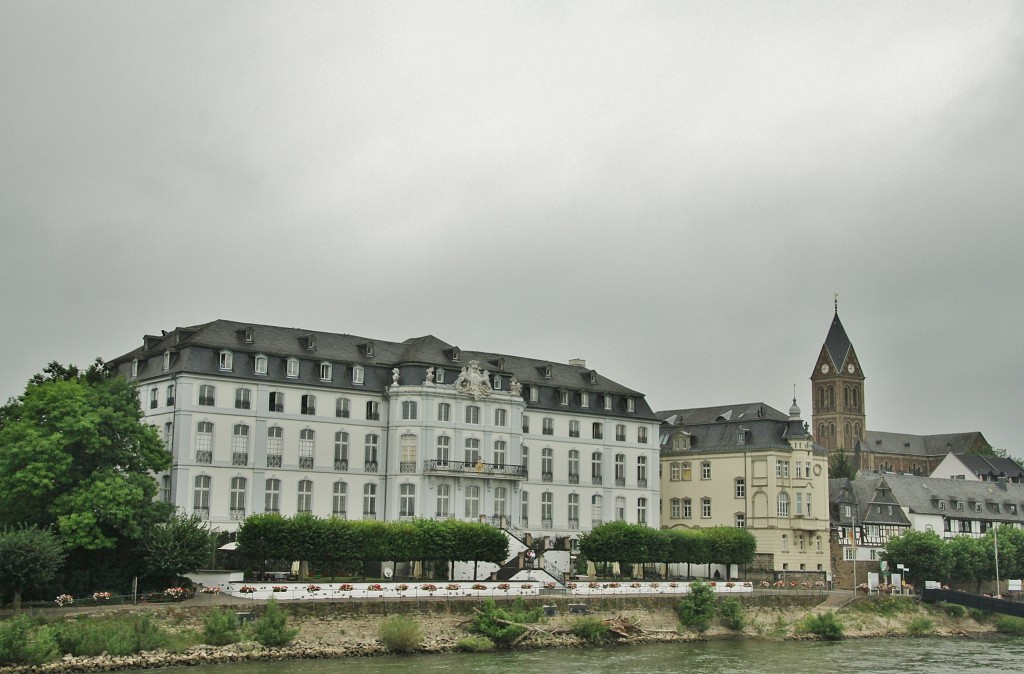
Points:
(839, 466)
(75, 454)
(618, 542)
(30, 558)
(184, 543)
(969, 562)
(922, 552)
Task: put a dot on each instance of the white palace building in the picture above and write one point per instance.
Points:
(267, 419)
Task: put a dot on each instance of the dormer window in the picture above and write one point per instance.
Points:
(368, 349)
(977, 507)
(311, 342)
(357, 374)
(325, 371)
(547, 372)
(593, 377)
(293, 367)
(584, 399)
(167, 361)
(563, 397)
(942, 505)
(607, 402)
(454, 354)
(959, 505)
(497, 382)
(741, 437)
(630, 405)
(248, 335)
(500, 363)
(534, 394)
(135, 367)
(260, 364)
(226, 360)
(439, 375)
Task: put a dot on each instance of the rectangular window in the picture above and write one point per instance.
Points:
(620, 432)
(207, 395)
(407, 500)
(373, 410)
(272, 502)
(325, 371)
(597, 430)
(308, 405)
(339, 506)
(741, 520)
(741, 488)
(500, 417)
(705, 508)
(342, 408)
(276, 402)
(563, 397)
(472, 414)
(574, 511)
(243, 398)
(641, 435)
(357, 374)
(799, 469)
(534, 394)
(705, 470)
(260, 365)
(687, 509)
(584, 399)
(409, 409)
(443, 500)
(472, 502)
(225, 360)
(293, 367)
(799, 504)
(444, 411)
(548, 427)
(574, 429)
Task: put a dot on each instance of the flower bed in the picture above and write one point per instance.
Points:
(341, 591)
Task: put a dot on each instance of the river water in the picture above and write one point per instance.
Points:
(931, 655)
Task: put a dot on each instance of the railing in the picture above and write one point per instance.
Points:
(373, 416)
(204, 456)
(548, 431)
(991, 604)
(594, 523)
(309, 410)
(574, 434)
(547, 477)
(206, 402)
(620, 482)
(344, 414)
(272, 511)
(273, 460)
(407, 467)
(642, 483)
(341, 464)
(596, 479)
(170, 401)
(574, 524)
(277, 408)
(240, 459)
(340, 514)
(237, 513)
(553, 571)
(620, 438)
(370, 466)
(369, 515)
(574, 478)
(202, 513)
(241, 404)
(546, 524)
(306, 462)
(490, 469)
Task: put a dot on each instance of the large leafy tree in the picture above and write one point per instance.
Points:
(184, 543)
(30, 558)
(922, 552)
(75, 454)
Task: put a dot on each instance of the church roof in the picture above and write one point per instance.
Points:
(919, 445)
(837, 343)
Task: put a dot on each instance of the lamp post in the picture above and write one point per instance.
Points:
(853, 543)
(995, 536)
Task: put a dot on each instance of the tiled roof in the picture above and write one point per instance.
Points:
(918, 445)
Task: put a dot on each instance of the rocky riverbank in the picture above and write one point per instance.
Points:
(338, 632)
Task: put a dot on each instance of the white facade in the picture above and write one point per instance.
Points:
(253, 431)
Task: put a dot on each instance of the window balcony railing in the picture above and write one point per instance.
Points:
(309, 410)
(574, 478)
(574, 524)
(620, 482)
(547, 477)
(241, 404)
(370, 466)
(272, 510)
(407, 467)
(279, 407)
(480, 468)
(373, 416)
(204, 456)
(273, 460)
(170, 401)
(237, 513)
(306, 462)
(206, 402)
(525, 522)
(240, 458)
(549, 431)
(641, 482)
(344, 414)
(574, 434)
(594, 523)
(152, 404)
(620, 438)
(340, 514)
(370, 515)
(201, 513)
(596, 479)
(341, 464)
(547, 524)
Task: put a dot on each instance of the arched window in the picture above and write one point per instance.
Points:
(305, 500)
(783, 504)
(856, 397)
(339, 506)
(369, 501)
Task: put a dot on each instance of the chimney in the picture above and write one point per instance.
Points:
(578, 362)
(1002, 482)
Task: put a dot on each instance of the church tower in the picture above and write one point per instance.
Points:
(837, 391)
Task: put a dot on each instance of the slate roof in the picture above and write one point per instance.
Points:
(921, 495)
(196, 348)
(837, 343)
(918, 445)
(992, 466)
(717, 428)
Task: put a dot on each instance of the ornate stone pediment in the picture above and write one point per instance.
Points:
(474, 382)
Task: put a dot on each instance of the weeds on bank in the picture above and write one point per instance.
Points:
(824, 625)
(1009, 624)
(220, 628)
(955, 611)
(400, 634)
(475, 645)
(885, 606)
(504, 626)
(271, 629)
(920, 625)
(591, 630)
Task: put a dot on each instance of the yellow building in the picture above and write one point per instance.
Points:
(753, 467)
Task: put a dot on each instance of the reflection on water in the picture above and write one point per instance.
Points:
(926, 655)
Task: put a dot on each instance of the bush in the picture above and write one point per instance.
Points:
(696, 610)
(493, 622)
(122, 635)
(730, 614)
(979, 615)
(475, 645)
(591, 630)
(920, 625)
(823, 625)
(400, 634)
(953, 610)
(1009, 624)
(271, 629)
(19, 646)
(220, 628)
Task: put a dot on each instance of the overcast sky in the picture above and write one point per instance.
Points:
(672, 191)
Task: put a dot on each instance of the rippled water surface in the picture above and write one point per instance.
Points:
(931, 655)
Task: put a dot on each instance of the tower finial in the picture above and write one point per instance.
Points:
(835, 301)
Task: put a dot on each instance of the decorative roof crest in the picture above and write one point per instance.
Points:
(474, 382)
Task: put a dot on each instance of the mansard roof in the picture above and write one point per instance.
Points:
(717, 428)
(922, 495)
(992, 467)
(195, 350)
